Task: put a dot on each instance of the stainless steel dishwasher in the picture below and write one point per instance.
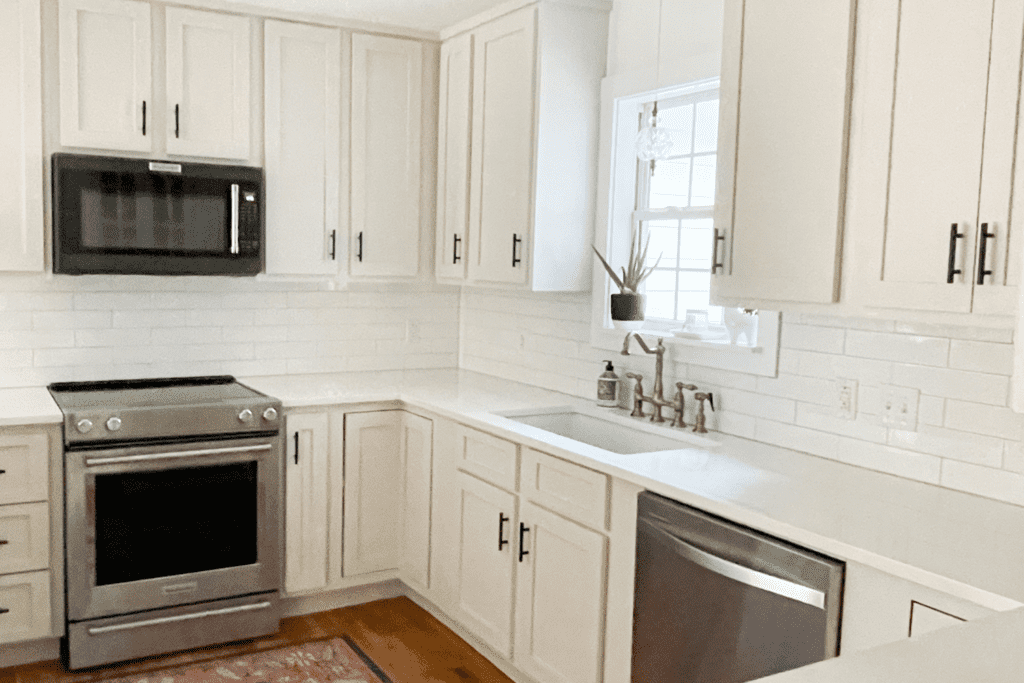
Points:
(719, 603)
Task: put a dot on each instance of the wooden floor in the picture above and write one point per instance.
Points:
(406, 642)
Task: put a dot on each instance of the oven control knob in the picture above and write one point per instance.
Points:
(84, 426)
(270, 414)
(114, 424)
(245, 415)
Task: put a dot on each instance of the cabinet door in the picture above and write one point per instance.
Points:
(21, 146)
(387, 78)
(484, 573)
(24, 468)
(24, 606)
(373, 491)
(417, 458)
(105, 79)
(782, 150)
(307, 486)
(560, 591)
(453, 145)
(207, 84)
(501, 172)
(302, 76)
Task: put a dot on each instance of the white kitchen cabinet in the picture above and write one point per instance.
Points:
(24, 606)
(933, 154)
(106, 98)
(560, 592)
(302, 114)
(208, 105)
(782, 150)
(308, 485)
(21, 145)
(386, 122)
(417, 462)
(25, 465)
(523, 209)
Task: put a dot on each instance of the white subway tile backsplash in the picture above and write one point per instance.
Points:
(757, 405)
(960, 384)
(984, 481)
(898, 347)
(849, 323)
(948, 443)
(806, 389)
(801, 439)
(70, 320)
(981, 356)
(983, 419)
(899, 462)
(824, 419)
(813, 338)
(931, 410)
(1001, 335)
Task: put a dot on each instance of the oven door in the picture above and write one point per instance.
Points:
(155, 526)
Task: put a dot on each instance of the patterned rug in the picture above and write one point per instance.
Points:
(338, 660)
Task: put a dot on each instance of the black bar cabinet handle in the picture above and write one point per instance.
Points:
(3, 471)
(296, 448)
(516, 241)
(177, 128)
(455, 249)
(4, 610)
(334, 243)
(952, 269)
(359, 254)
(501, 531)
(719, 237)
(982, 252)
(143, 117)
(4, 541)
(522, 551)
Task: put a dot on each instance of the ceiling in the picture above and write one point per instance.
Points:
(425, 15)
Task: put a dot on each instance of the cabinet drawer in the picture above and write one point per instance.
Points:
(488, 457)
(24, 537)
(26, 599)
(565, 488)
(24, 463)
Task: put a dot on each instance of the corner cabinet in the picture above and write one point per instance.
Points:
(517, 146)
(302, 121)
(21, 145)
(782, 151)
(933, 150)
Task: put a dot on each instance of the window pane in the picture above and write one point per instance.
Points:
(661, 281)
(695, 247)
(706, 136)
(661, 305)
(670, 184)
(679, 122)
(692, 301)
(703, 180)
(664, 242)
(690, 281)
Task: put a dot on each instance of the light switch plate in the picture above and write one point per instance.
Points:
(899, 407)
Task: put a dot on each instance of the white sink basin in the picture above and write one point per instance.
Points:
(609, 430)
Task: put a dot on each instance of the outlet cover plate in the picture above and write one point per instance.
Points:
(899, 407)
(845, 398)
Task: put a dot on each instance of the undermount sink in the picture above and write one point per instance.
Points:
(609, 430)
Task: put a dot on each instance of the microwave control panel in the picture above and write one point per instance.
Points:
(249, 227)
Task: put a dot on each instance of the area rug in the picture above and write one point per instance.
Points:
(338, 660)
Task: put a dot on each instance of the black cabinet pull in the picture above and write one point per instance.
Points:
(982, 252)
(177, 127)
(359, 254)
(516, 241)
(952, 269)
(143, 117)
(334, 243)
(4, 610)
(719, 237)
(522, 551)
(3, 471)
(296, 448)
(501, 531)
(4, 542)
(455, 249)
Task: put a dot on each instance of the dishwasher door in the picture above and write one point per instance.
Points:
(718, 603)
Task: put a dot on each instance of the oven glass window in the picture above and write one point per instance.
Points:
(162, 523)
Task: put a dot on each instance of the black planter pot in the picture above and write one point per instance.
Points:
(628, 310)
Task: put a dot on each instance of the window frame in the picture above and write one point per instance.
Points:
(618, 173)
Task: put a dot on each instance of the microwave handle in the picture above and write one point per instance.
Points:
(234, 218)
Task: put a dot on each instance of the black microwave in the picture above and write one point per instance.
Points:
(113, 215)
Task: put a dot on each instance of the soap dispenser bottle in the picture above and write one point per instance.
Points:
(607, 387)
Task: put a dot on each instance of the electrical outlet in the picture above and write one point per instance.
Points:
(845, 398)
(899, 407)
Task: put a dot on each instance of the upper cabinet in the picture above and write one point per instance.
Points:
(785, 91)
(21, 145)
(207, 84)
(302, 91)
(519, 102)
(932, 154)
(107, 100)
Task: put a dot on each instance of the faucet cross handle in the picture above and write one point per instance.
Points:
(638, 394)
(701, 396)
(679, 403)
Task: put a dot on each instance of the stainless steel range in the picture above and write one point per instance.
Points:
(173, 515)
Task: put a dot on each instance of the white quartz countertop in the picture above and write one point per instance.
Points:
(29, 406)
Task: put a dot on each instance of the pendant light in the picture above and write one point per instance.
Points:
(653, 143)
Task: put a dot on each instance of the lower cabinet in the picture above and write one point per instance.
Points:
(308, 479)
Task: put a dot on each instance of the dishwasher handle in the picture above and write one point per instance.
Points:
(737, 572)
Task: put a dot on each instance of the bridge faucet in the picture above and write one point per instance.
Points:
(657, 397)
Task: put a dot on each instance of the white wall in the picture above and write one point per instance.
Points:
(967, 437)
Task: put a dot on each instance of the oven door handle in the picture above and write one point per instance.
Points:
(171, 455)
(99, 630)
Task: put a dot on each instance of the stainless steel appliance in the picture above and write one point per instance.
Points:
(719, 603)
(142, 217)
(173, 515)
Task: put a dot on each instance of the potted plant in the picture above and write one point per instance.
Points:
(627, 306)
